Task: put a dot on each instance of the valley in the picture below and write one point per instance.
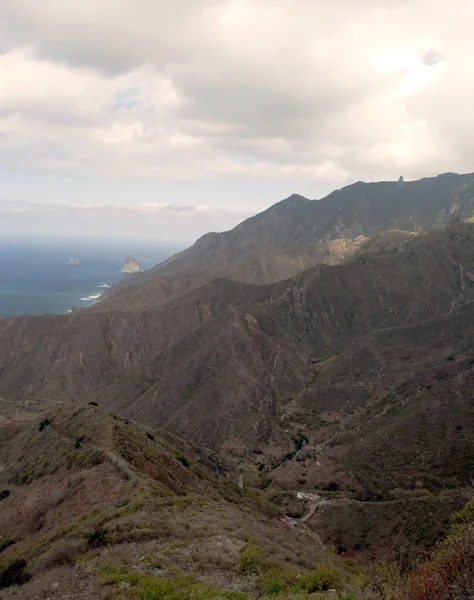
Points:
(297, 391)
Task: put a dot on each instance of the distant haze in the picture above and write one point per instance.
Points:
(158, 120)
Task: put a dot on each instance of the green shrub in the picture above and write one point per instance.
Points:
(449, 573)
(299, 440)
(4, 494)
(147, 587)
(5, 542)
(251, 559)
(451, 358)
(183, 460)
(277, 580)
(150, 436)
(14, 573)
(44, 423)
(323, 578)
(92, 404)
(97, 538)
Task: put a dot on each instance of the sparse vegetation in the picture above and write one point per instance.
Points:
(323, 578)
(143, 586)
(183, 460)
(4, 494)
(251, 559)
(13, 573)
(97, 538)
(5, 542)
(43, 424)
(449, 573)
(299, 440)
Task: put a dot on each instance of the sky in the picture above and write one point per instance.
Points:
(164, 120)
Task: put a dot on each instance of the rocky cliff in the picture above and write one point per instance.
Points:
(131, 266)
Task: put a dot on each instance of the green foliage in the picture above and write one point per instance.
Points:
(277, 580)
(183, 460)
(5, 542)
(449, 573)
(299, 440)
(465, 516)
(148, 587)
(323, 578)
(24, 476)
(97, 538)
(44, 423)
(4, 494)
(451, 358)
(13, 573)
(386, 581)
(251, 559)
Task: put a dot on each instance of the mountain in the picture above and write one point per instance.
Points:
(297, 233)
(321, 347)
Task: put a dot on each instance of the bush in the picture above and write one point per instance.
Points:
(323, 578)
(299, 440)
(44, 423)
(183, 460)
(97, 538)
(277, 580)
(449, 573)
(92, 404)
(251, 559)
(56, 557)
(4, 494)
(14, 573)
(5, 542)
(150, 436)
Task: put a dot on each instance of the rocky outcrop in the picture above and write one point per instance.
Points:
(131, 266)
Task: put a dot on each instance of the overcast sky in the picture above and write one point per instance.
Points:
(166, 119)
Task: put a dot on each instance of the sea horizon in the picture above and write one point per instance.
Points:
(35, 277)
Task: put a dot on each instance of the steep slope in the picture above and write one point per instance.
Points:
(71, 356)
(103, 507)
(361, 209)
(250, 360)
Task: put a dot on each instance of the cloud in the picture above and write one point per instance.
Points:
(432, 57)
(155, 221)
(237, 89)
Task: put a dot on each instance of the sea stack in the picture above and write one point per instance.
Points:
(74, 262)
(131, 266)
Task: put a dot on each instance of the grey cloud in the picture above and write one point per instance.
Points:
(432, 57)
(235, 89)
(151, 220)
(111, 37)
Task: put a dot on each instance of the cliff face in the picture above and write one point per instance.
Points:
(131, 266)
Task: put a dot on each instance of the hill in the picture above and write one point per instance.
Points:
(94, 506)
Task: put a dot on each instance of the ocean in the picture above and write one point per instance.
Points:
(35, 277)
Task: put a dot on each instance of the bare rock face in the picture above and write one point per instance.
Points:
(131, 266)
